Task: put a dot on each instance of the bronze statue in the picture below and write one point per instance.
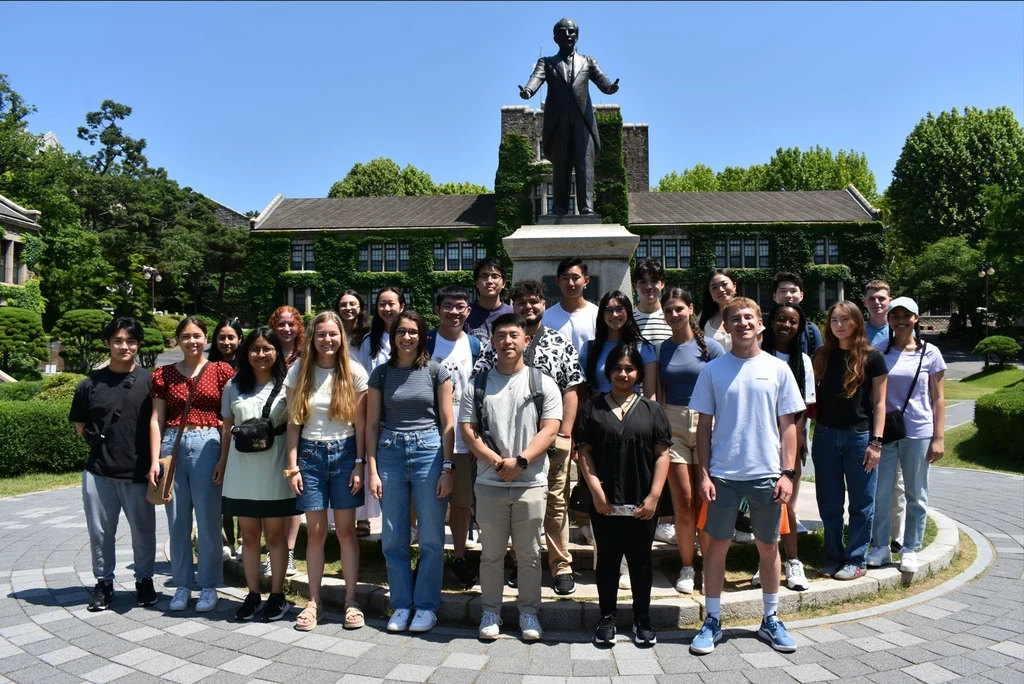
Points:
(569, 139)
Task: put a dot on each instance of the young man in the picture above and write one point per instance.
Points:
(451, 346)
(751, 396)
(489, 280)
(649, 282)
(509, 433)
(551, 353)
(877, 296)
(111, 410)
(788, 288)
(573, 316)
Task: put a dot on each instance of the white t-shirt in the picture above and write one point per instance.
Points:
(579, 326)
(720, 336)
(919, 416)
(652, 325)
(457, 357)
(319, 427)
(809, 397)
(746, 397)
(363, 356)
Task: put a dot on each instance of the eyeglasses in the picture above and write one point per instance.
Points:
(490, 276)
(457, 308)
(615, 310)
(262, 351)
(407, 332)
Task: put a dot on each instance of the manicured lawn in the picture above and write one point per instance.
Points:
(985, 382)
(12, 486)
(965, 448)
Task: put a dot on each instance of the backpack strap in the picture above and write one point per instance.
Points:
(537, 392)
(431, 341)
(475, 347)
(479, 392)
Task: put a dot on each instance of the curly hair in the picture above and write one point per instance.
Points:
(275, 318)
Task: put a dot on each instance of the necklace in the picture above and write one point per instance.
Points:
(624, 405)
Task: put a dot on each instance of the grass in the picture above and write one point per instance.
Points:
(982, 383)
(966, 448)
(37, 482)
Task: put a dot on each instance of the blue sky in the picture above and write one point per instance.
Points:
(242, 101)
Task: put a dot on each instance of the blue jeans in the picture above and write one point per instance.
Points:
(409, 466)
(838, 457)
(912, 456)
(326, 468)
(198, 454)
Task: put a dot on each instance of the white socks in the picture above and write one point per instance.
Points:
(771, 604)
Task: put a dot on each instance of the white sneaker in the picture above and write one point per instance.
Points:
(624, 582)
(207, 601)
(238, 554)
(423, 622)
(529, 625)
(742, 537)
(399, 621)
(226, 552)
(291, 570)
(908, 560)
(665, 532)
(800, 529)
(587, 532)
(684, 585)
(879, 556)
(755, 581)
(795, 577)
(489, 626)
(181, 597)
(265, 568)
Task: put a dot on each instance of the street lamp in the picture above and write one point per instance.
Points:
(985, 271)
(154, 277)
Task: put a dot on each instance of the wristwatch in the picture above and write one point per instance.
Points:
(791, 474)
(875, 439)
(288, 472)
(522, 462)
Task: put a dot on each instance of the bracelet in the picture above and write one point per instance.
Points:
(289, 472)
(447, 465)
(360, 461)
(875, 444)
(446, 471)
(562, 434)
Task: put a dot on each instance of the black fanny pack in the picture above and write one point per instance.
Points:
(257, 434)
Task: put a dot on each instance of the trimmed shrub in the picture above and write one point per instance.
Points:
(1002, 347)
(81, 332)
(151, 346)
(60, 387)
(22, 340)
(166, 325)
(996, 415)
(20, 391)
(36, 437)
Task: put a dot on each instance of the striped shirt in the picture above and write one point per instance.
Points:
(652, 325)
(408, 397)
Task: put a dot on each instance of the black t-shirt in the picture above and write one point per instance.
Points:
(835, 410)
(125, 455)
(623, 451)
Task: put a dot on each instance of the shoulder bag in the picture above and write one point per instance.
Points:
(257, 434)
(164, 490)
(895, 427)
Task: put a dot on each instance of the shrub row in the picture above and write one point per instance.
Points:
(20, 391)
(996, 415)
(36, 437)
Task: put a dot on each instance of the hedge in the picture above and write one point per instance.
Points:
(20, 391)
(996, 415)
(36, 437)
(60, 387)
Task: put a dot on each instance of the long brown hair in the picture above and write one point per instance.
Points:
(856, 355)
(343, 393)
(684, 296)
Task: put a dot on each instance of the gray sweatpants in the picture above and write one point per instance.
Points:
(104, 499)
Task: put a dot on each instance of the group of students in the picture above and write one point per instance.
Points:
(480, 418)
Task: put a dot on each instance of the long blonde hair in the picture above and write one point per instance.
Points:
(857, 354)
(343, 394)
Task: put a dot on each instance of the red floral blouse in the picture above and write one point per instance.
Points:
(173, 387)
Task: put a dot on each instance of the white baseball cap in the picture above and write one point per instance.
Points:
(907, 303)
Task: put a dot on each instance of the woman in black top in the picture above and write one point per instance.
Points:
(624, 440)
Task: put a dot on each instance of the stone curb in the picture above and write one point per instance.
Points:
(572, 615)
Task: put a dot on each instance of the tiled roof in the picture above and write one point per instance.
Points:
(682, 208)
(428, 211)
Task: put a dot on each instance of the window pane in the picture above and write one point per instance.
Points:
(551, 189)
(467, 256)
(364, 258)
(750, 253)
(831, 292)
(671, 260)
(572, 205)
(438, 256)
(299, 299)
(403, 257)
(481, 251)
(376, 257)
(536, 190)
(641, 249)
(720, 253)
(310, 259)
(735, 253)
(819, 251)
(833, 251)
(296, 257)
(656, 252)
(391, 257)
(684, 253)
(551, 204)
(762, 252)
(453, 256)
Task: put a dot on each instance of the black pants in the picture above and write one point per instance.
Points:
(615, 536)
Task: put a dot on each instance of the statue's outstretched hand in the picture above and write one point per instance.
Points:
(524, 93)
(613, 88)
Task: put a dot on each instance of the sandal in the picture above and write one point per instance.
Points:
(307, 619)
(362, 528)
(354, 618)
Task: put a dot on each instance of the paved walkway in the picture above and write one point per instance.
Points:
(46, 635)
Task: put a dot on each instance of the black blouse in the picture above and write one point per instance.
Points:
(623, 451)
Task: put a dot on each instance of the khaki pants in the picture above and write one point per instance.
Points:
(501, 512)
(556, 516)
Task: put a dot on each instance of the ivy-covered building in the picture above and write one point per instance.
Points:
(19, 230)
(305, 251)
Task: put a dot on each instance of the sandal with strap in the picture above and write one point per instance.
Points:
(362, 528)
(354, 618)
(307, 619)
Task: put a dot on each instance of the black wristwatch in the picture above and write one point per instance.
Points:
(791, 474)
(522, 462)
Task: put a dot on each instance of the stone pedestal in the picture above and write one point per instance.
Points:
(605, 248)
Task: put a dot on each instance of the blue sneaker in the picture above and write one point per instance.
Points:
(775, 632)
(709, 635)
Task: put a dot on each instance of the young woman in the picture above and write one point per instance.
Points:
(374, 350)
(352, 309)
(411, 463)
(624, 440)
(847, 445)
(721, 289)
(786, 327)
(198, 454)
(615, 325)
(286, 321)
(925, 420)
(327, 413)
(226, 338)
(680, 361)
(253, 487)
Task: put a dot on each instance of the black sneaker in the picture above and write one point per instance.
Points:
(277, 608)
(643, 632)
(565, 584)
(102, 597)
(145, 594)
(248, 609)
(895, 546)
(605, 633)
(513, 578)
(464, 575)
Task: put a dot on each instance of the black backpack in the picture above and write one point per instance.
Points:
(480, 390)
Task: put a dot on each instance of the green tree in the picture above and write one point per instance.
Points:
(151, 346)
(700, 178)
(1002, 347)
(1004, 247)
(382, 177)
(22, 339)
(17, 145)
(464, 188)
(739, 179)
(116, 149)
(81, 333)
(938, 184)
(947, 271)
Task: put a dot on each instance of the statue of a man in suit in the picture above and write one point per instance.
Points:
(570, 139)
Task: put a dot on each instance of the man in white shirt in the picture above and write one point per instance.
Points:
(573, 316)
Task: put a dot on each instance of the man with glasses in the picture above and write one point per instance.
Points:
(489, 280)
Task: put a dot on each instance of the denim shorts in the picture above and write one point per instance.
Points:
(326, 468)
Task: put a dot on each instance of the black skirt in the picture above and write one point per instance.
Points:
(249, 508)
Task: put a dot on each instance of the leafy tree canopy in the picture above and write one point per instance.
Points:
(947, 271)
(382, 177)
(21, 334)
(81, 332)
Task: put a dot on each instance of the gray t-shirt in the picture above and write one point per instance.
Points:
(408, 396)
(512, 419)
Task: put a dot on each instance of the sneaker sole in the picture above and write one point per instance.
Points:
(798, 587)
(487, 637)
(768, 637)
(684, 591)
(421, 629)
(643, 642)
(275, 618)
(565, 593)
(248, 618)
(532, 637)
(603, 642)
(206, 609)
(705, 651)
